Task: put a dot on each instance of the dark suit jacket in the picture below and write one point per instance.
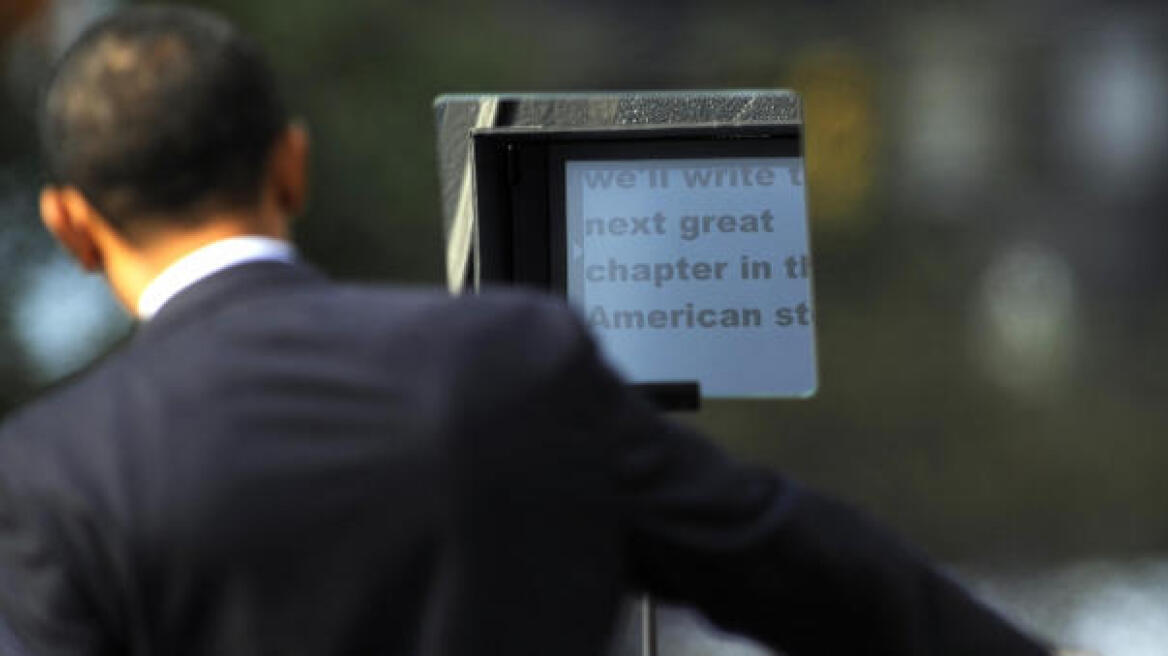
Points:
(277, 464)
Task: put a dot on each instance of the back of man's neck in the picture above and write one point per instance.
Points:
(206, 262)
(130, 268)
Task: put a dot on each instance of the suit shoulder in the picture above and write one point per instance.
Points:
(537, 313)
(494, 314)
(536, 324)
(522, 333)
(57, 421)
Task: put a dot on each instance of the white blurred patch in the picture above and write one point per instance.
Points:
(1124, 617)
(1110, 608)
(1085, 608)
(952, 115)
(64, 318)
(1026, 321)
(1116, 102)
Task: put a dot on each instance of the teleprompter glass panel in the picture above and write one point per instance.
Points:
(695, 268)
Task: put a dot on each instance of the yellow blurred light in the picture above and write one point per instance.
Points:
(840, 136)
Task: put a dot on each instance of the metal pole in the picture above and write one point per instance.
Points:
(648, 627)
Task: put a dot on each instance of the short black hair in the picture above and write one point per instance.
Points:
(157, 110)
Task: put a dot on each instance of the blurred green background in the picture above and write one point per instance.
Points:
(987, 192)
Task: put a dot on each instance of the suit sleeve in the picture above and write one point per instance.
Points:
(10, 645)
(41, 606)
(762, 556)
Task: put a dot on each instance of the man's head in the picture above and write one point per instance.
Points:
(158, 123)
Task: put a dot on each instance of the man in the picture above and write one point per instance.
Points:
(277, 464)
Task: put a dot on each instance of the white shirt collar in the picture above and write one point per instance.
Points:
(208, 260)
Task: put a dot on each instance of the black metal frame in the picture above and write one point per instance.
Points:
(519, 180)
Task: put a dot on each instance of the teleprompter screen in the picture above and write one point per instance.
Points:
(695, 269)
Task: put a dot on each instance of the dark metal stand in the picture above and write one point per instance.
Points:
(648, 627)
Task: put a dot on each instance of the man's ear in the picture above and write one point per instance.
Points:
(71, 220)
(289, 169)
